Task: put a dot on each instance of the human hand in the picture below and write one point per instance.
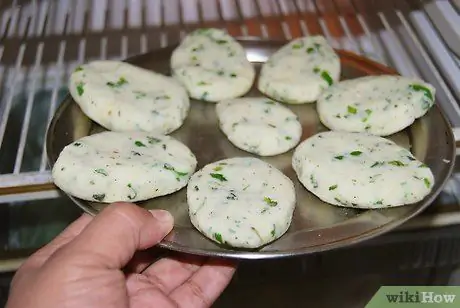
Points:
(96, 262)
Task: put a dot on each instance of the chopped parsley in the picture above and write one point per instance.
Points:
(133, 193)
(171, 168)
(352, 110)
(396, 163)
(217, 168)
(218, 176)
(297, 45)
(78, 69)
(426, 92)
(99, 197)
(332, 187)
(139, 94)
(121, 81)
(287, 138)
(218, 237)
(377, 164)
(313, 181)
(427, 182)
(139, 143)
(272, 232)
(80, 89)
(221, 42)
(325, 75)
(340, 157)
(233, 75)
(356, 153)
(232, 196)
(152, 140)
(77, 144)
(101, 171)
(423, 166)
(270, 202)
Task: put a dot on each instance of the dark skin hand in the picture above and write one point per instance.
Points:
(102, 262)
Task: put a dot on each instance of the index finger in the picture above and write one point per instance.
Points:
(205, 286)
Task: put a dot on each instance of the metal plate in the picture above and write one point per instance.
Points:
(316, 226)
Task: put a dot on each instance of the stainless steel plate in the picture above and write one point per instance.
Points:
(316, 226)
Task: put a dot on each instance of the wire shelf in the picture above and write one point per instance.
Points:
(43, 40)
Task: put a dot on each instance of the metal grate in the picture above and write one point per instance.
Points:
(43, 40)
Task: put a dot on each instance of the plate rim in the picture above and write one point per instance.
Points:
(260, 254)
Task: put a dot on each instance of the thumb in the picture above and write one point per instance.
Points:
(115, 234)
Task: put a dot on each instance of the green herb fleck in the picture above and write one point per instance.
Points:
(233, 75)
(139, 94)
(316, 70)
(101, 171)
(232, 196)
(221, 42)
(201, 83)
(133, 193)
(78, 69)
(378, 202)
(310, 50)
(340, 157)
(80, 89)
(99, 197)
(313, 181)
(356, 153)
(218, 176)
(139, 143)
(204, 95)
(352, 110)
(287, 138)
(325, 75)
(77, 144)
(272, 232)
(121, 81)
(328, 97)
(270, 102)
(332, 187)
(217, 168)
(178, 173)
(368, 111)
(423, 166)
(427, 182)
(410, 158)
(270, 202)
(396, 163)
(218, 237)
(297, 46)
(377, 164)
(426, 92)
(152, 140)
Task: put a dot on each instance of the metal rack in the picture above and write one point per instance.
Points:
(43, 40)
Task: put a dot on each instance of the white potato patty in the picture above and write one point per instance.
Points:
(123, 97)
(259, 125)
(378, 105)
(242, 202)
(115, 166)
(212, 66)
(360, 170)
(300, 71)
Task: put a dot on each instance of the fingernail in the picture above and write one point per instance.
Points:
(162, 216)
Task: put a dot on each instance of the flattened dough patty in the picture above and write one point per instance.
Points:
(259, 125)
(123, 97)
(113, 166)
(212, 66)
(360, 170)
(299, 71)
(242, 202)
(378, 105)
